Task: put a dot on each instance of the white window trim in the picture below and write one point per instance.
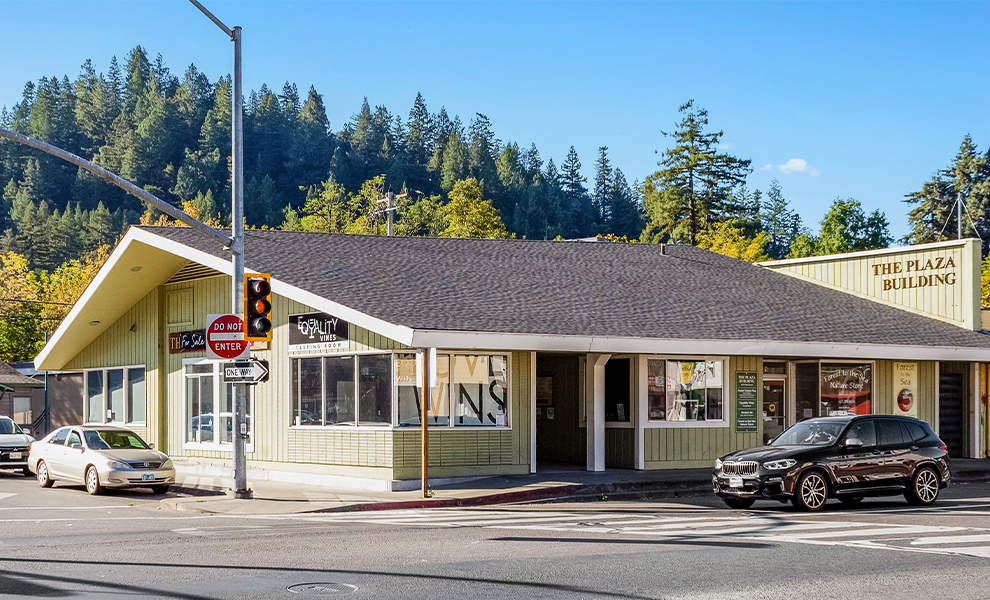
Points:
(395, 394)
(727, 401)
(106, 396)
(217, 390)
(341, 426)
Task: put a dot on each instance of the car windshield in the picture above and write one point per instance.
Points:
(809, 433)
(114, 440)
(7, 426)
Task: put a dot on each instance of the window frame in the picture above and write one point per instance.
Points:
(218, 388)
(356, 423)
(393, 423)
(727, 405)
(125, 372)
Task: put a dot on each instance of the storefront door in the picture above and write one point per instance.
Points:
(774, 421)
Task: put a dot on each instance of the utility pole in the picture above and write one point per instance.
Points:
(390, 207)
(959, 213)
(240, 432)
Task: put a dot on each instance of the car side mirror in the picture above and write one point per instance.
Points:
(77, 446)
(151, 445)
(852, 443)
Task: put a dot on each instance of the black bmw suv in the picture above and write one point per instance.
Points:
(847, 458)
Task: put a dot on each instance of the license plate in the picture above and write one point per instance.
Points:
(148, 477)
(735, 482)
(14, 455)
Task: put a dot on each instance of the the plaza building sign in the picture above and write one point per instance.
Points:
(940, 280)
(916, 273)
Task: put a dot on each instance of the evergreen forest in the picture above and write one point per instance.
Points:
(171, 135)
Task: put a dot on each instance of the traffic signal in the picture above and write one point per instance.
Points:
(257, 307)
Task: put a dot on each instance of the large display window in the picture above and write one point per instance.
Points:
(680, 390)
(846, 389)
(468, 390)
(116, 395)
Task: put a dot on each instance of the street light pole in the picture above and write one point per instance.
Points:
(237, 249)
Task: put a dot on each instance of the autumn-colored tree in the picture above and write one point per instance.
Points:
(468, 215)
(725, 238)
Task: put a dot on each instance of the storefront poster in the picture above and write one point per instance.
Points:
(317, 332)
(544, 391)
(847, 389)
(906, 386)
(746, 395)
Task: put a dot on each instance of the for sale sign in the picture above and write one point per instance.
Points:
(225, 338)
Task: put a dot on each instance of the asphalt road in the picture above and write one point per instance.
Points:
(63, 543)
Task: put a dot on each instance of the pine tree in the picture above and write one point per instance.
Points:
(703, 177)
(419, 133)
(576, 200)
(601, 197)
(780, 223)
(454, 162)
(138, 74)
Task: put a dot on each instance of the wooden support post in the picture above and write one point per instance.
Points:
(424, 425)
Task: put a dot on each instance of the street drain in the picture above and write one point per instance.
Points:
(328, 588)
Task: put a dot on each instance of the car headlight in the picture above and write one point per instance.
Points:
(777, 465)
(167, 464)
(116, 464)
(718, 464)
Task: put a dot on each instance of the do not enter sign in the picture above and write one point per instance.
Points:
(225, 338)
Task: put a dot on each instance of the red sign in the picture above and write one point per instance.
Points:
(225, 338)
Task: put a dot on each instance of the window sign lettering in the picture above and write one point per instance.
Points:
(747, 384)
(317, 332)
(847, 389)
(481, 384)
(180, 342)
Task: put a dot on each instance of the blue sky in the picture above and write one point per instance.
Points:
(862, 100)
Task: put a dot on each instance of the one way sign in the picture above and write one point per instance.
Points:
(245, 371)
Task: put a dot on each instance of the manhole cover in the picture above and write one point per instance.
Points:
(328, 588)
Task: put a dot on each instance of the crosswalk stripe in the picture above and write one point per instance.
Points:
(952, 539)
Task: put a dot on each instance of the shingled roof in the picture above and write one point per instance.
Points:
(11, 379)
(671, 292)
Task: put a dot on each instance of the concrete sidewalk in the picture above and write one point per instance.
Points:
(210, 495)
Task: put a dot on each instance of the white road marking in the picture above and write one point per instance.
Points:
(6, 495)
(952, 539)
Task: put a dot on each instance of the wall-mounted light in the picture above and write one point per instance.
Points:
(135, 269)
(94, 323)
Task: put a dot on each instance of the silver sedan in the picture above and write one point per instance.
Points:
(100, 456)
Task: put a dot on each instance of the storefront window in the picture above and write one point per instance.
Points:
(481, 383)
(116, 395)
(693, 390)
(846, 389)
(407, 387)
(358, 390)
(210, 407)
(617, 397)
(375, 384)
(656, 389)
(337, 390)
